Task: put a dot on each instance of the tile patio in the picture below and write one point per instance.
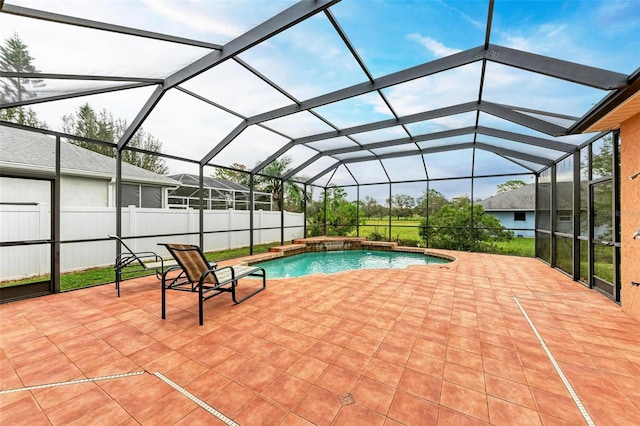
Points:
(441, 344)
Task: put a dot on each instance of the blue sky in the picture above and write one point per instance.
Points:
(309, 60)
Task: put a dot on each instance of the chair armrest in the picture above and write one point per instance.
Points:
(124, 259)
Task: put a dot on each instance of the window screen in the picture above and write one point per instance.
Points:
(130, 195)
(520, 216)
(151, 197)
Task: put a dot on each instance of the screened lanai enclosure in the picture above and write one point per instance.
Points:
(394, 121)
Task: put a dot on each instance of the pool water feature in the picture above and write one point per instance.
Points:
(330, 262)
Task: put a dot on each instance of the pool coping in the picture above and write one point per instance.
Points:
(312, 244)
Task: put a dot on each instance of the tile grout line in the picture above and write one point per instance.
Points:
(72, 382)
(197, 400)
(564, 379)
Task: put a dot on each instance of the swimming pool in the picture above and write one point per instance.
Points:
(330, 262)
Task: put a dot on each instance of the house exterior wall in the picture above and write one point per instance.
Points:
(74, 191)
(83, 192)
(14, 190)
(630, 215)
(506, 218)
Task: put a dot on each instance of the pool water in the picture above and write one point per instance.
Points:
(330, 262)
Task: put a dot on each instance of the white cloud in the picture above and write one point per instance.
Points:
(480, 25)
(546, 39)
(194, 17)
(438, 49)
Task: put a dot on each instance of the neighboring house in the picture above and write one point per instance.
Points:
(87, 178)
(514, 209)
(218, 194)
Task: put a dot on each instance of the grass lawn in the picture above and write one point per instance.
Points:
(406, 231)
(516, 247)
(90, 277)
(402, 230)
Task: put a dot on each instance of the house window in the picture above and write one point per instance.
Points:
(142, 196)
(519, 216)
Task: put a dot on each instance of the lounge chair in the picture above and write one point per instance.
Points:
(128, 262)
(196, 275)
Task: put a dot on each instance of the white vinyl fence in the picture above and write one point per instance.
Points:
(32, 222)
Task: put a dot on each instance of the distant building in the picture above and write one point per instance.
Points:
(87, 177)
(218, 194)
(514, 209)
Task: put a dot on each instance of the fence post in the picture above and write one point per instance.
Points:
(229, 226)
(192, 226)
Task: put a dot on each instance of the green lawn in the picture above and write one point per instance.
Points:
(91, 277)
(406, 232)
(401, 230)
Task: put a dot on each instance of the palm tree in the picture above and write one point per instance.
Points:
(270, 180)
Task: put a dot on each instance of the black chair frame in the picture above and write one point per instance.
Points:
(225, 279)
(143, 261)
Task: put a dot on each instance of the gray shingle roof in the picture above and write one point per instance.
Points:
(21, 149)
(522, 198)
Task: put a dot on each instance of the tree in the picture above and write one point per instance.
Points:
(369, 206)
(102, 126)
(451, 228)
(240, 175)
(270, 180)
(15, 57)
(602, 158)
(434, 199)
(22, 115)
(510, 185)
(402, 205)
(341, 215)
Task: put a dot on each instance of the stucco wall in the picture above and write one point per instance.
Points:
(77, 191)
(630, 215)
(74, 191)
(13, 190)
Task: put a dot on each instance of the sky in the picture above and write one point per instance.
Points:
(309, 60)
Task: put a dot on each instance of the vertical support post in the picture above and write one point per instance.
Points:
(358, 211)
(304, 212)
(282, 213)
(616, 216)
(590, 215)
(325, 211)
(251, 182)
(390, 212)
(553, 215)
(426, 222)
(201, 208)
(55, 224)
(472, 239)
(118, 200)
(536, 219)
(576, 216)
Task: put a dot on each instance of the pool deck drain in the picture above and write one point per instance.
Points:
(347, 399)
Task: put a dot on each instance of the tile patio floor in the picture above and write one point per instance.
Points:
(441, 344)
